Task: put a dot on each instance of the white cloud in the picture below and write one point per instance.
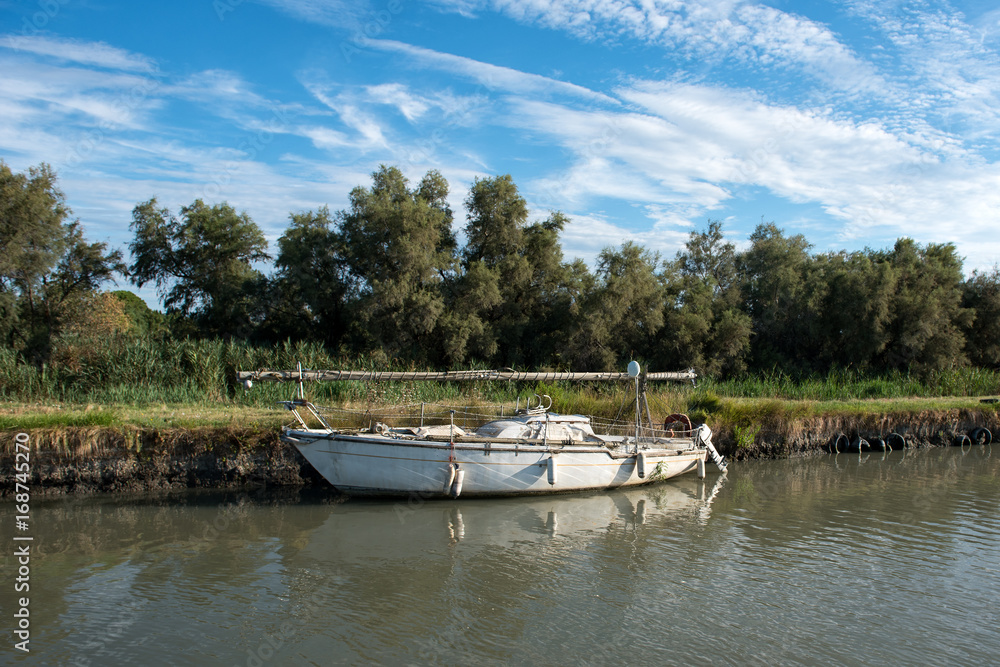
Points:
(693, 145)
(745, 32)
(587, 235)
(491, 77)
(37, 91)
(96, 54)
(397, 95)
(952, 74)
(641, 162)
(334, 13)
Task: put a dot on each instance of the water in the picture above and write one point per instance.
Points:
(851, 560)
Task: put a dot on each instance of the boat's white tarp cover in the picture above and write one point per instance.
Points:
(442, 431)
(561, 428)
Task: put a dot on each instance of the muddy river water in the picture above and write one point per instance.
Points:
(834, 559)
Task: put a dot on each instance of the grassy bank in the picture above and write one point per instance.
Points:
(132, 385)
(149, 371)
(744, 421)
(142, 447)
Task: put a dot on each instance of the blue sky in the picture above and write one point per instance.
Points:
(853, 123)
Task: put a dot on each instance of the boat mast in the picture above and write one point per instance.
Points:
(633, 372)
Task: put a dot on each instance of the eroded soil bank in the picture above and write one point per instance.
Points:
(124, 459)
(928, 428)
(128, 459)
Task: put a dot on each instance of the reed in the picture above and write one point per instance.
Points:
(138, 371)
(850, 385)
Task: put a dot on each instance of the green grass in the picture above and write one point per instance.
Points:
(835, 386)
(183, 383)
(848, 385)
(37, 420)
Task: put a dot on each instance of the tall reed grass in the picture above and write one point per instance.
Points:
(129, 370)
(851, 385)
(132, 370)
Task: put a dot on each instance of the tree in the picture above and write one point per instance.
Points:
(494, 257)
(398, 245)
(201, 263)
(622, 312)
(856, 310)
(551, 301)
(89, 328)
(497, 214)
(705, 327)
(46, 265)
(463, 332)
(143, 320)
(528, 323)
(312, 290)
(781, 299)
(981, 293)
(927, 319)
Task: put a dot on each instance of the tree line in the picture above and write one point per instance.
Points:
(388, 274)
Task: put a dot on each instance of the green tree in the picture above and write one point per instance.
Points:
(705, 326)
(781, 298)
(46, 265)
(981, 293)
(856, 310)
(144, 320)
(312, 290)
(201, 264)
(497, 214)
(398, 245)
(464, 334)
(925, 330)
(551, 301)
(622, 312)
(522, 264)
(494, 259)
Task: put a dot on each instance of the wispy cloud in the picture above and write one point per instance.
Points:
(871, 143)
(96, 54)
(951, 71)
(733, 30)
(491, 77)
(341, 14)
(692, 148)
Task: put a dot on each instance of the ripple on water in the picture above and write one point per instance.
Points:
(889, 560)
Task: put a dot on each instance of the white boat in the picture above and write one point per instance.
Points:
(533, 451)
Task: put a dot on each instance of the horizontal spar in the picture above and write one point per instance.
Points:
(449, 376)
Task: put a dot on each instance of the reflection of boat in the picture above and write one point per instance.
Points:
(531, 452)
(366, 531)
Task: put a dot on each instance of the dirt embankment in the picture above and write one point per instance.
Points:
(928, 428)
(125, 459)
(87, 460)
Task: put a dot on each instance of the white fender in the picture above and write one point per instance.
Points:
(552, 470)
(456, 489)
(452, 468)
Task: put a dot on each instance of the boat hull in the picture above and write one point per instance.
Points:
(371, 464)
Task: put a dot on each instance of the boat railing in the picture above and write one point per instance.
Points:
(406, 415)
(466, 417)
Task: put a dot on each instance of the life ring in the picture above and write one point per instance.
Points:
(678, 418)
